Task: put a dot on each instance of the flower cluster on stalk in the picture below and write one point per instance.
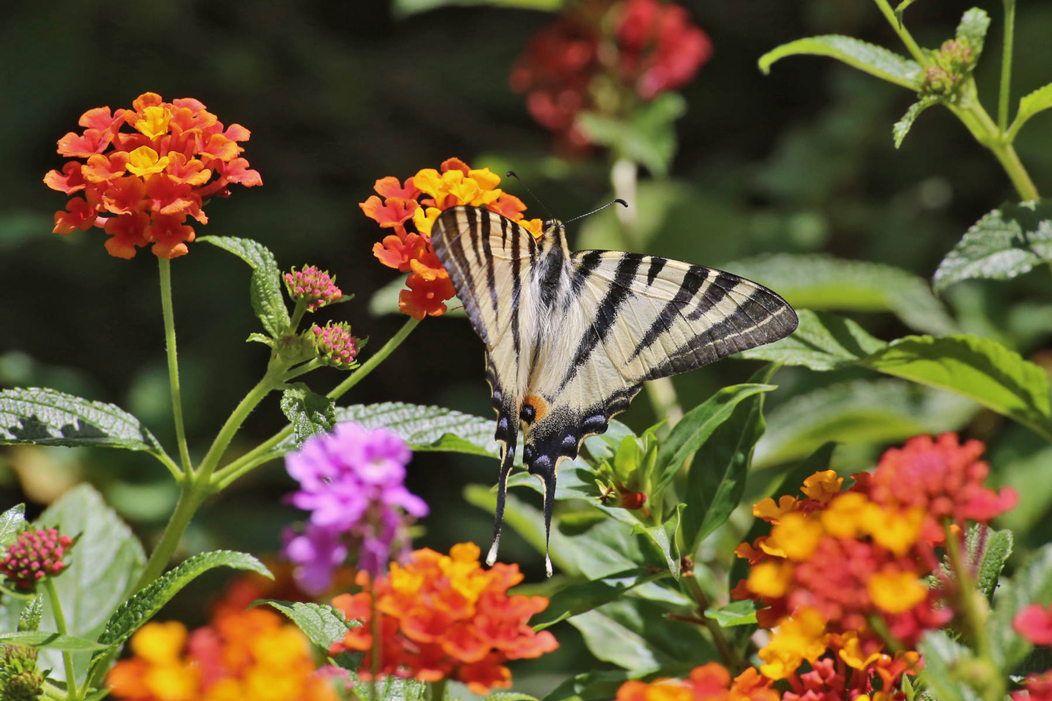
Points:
(603, 56)
(20, 677)
(444, 617)
(140, 173)
(837, 561)
(409, 210)
(35, 555)
(243, 653)
(352, 482)
(710, 682)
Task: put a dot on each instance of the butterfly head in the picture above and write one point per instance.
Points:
(554, 231)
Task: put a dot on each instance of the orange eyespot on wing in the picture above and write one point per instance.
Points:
(534, 408)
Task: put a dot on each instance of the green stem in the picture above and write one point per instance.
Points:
(270, 380)
(189, 499)
(438, 690)
(903, 33)
(374, 630)
(60, 625)
(1006, 66)
(257, 456)
(731, 659)
(165, 267)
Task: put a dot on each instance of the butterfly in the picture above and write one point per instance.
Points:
(571, 337)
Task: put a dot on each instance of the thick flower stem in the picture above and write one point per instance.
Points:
(271, 380)
(60, 625)
(165, 268)
(731, 659)
(438, 690)
(258, 455)
(1006, 66)
(190, 498)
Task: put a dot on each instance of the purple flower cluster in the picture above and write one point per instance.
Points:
(353, 483)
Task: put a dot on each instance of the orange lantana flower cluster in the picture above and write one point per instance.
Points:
(243, 654)
(710, 682)
(445, 617)
(417, 202)
(141, 185)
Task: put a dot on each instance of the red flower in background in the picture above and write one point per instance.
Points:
(603, 56)
(141, 185)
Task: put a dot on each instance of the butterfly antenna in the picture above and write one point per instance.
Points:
(588, 214)
(512, 174)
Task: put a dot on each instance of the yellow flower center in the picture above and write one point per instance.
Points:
(145, 161)
(154, 121)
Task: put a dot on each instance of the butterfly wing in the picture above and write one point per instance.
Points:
(627, 318)
(489, 259)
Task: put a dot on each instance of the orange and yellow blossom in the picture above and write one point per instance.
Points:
(710, 682)
(417, 202)
(141, 185)
(445, 617)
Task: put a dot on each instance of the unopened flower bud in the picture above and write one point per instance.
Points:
(35, 554)
(335, 345)
(313, 286)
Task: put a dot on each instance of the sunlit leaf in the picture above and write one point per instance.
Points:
(875, 60)
(822, 341)
(266, 289)
(1029, 105)
(903, 126)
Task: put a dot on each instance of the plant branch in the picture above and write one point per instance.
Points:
(165, 267)
(900, 29)
(190, 498)
(60, 625)
(731, 659)
(1006, 66)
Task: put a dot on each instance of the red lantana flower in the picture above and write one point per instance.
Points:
(145, 171)
(445, 617)
(415, 204)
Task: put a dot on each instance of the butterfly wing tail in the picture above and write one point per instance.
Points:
(544, 467)
(507, 460)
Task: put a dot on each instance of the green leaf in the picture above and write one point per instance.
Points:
(49, 417)
(1029, 105)
(737, 613)
(424, 428)
(858, 411)
(972, 31)
(647, 137)
(12, 522)
(592, 686)
(902, 127)
(695, 428)
(634, 633)
(943, 658)
(140, 608)
(990, 549)
(323, 624)
(1032, 583)
(309, 413)
(980, 369)
(29, 618)
(404, 8)
(509, 696)
(54, 641)
(716, 480)
(584, 596)
(875, 60)
(821, 282)
(265, 287)
(1005, 243)
(104, 565)
(822, 341)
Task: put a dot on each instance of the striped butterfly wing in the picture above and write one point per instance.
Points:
(627, 318)
(489, 258)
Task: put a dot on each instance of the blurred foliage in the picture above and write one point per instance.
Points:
(798, 164)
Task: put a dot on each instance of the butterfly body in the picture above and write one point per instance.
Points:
(571, 337)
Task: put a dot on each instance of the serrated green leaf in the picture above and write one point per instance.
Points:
(716, 480)
(140, 608)
(990, 550)
(634, 633)
(104, 565)
(943, 657)
(980, 369)
(875, 60)
(858, 411)
(737, 613)
(822, 341)
(647, 137)
(29, 618)
(972, 30)
(54, 641)
(308, 412)
(403, 8)
(265, 287)
(1031, 583)
(424, 428)
(584, 596)
(695, 428)
(1029, 105)
(820, 283)
(321, 623)
(12, 522)
(49, 417)
(1005, 243)
(509, 696)
(902, 127)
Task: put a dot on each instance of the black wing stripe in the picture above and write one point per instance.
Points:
(487, 259)
(516, 291)
(656, 265)
(688, 289)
